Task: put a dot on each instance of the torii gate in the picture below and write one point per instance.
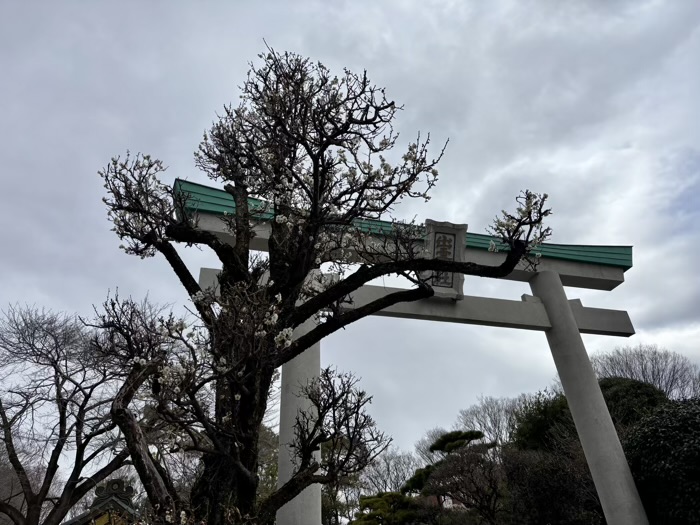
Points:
(548, 310)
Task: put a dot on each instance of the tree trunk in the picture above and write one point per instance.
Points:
(225, 492)
(220, 495)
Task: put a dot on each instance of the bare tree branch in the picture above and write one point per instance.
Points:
(53, 404)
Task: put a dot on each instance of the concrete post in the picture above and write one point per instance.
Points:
(601, 445)
(305, 509)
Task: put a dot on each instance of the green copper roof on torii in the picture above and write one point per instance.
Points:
(215, 201)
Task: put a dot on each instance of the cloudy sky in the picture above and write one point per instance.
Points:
(593, 102)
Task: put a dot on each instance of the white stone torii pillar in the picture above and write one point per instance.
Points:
(305, 509)
(601, 444)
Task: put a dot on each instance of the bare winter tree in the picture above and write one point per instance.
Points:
(423, 445)
(54, 409)
(494, 417)
(389, 471)
(338, 420)
(672, 373)
(312, 148)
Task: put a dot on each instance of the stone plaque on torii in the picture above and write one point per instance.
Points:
(548, 310)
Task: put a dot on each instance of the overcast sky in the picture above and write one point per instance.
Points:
(594, 102)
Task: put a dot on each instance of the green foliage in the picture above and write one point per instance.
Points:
(544, 420)
(550, 487)
(548, 478)
(630, 400)
(466, 474)
(664, 455)
(416, 483)
(538, 418)
(445, 443)
(388, 508)
(542, 476)
(451, 441)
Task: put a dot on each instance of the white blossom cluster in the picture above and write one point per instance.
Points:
(324, 315)
(525, 225)
(222, 366)
(204, 297)
(171, 375)
(171, 327)
(284, 338)
(271, 318)
(138, 203)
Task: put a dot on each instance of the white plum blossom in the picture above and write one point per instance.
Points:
(198, 297)
(284, 338)
(204, 298)
(171, 375)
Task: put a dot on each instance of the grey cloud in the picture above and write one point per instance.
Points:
(592, 102)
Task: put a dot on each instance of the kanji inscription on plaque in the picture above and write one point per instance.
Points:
(445, 240)
(444, 249)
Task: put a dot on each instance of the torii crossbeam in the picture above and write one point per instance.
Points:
(548, 310)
